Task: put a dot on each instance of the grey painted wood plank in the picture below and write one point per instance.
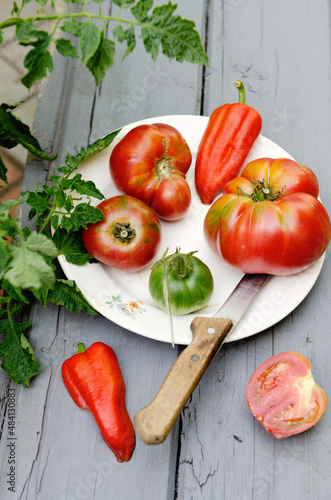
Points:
(224, 452)
(61, 453)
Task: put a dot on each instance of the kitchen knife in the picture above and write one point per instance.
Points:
(154, 422)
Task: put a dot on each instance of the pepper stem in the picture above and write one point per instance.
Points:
(81, 348)
(241, 89)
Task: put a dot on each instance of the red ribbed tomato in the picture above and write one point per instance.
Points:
(150, 163)
(283, 396)
(127, 238)
(269, 220)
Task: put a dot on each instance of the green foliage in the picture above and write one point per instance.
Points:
(26, 264)
(62, 208)
(160, 29)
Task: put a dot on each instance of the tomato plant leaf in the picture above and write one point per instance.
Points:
(71, 27)
(28, 269)
(38, 201)
(4, 252)
(38, 62)
(124, 4)
(66, 293)
(82, 215)
(27, 33)
(81, 186)
(38, 242)
(177, 36)
(102, 59)
(18, 358)
(3, 171)
(65, 48)
(128, 35)
(71, 246)
(13, 292)
(140, 10)
(89, 39)
(7, 205)
(73, 161)
(13, 131)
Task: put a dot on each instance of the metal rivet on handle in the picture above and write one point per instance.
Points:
(211, 330)
(195, 357)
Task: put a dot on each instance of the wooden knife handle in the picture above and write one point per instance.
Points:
(154, 422)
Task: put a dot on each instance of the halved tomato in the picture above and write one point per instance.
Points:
(283, 396)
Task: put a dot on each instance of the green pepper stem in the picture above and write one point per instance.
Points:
(241, 90)
(81, 348)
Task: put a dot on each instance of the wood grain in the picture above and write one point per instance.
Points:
(216, 450)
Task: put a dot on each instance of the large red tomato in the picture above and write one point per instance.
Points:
(269, 220)
(127, 238)
(283, 396)
(150, 163)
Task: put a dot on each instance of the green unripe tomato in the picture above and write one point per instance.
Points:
(181, 280)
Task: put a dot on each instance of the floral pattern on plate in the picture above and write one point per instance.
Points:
(128, 308)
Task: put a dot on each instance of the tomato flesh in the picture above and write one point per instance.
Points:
(127, 238)
(283, 396)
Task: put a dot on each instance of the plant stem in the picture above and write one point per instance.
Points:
(70, 15)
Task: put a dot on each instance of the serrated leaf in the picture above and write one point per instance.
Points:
(102, 59)
(37, 201)
(4, 252)
(42, 2)
(27, 33)
(88, 38)
(15, 9)
(38, 62)
(60, 198)
(70, 27)
(118, 33)
(66, 293)
(9, 226)
(7, 205)
(81, 186)
(124, 4)
(140, 10)
(71, 246)
(18, 358)
(55, 221)
(28, 269)
(130, 38)
(3, 171)
(65, 48)
(38, 242)
(13, 131)
(72, 161)
(177, 36)
(82, 215)
(14, 293)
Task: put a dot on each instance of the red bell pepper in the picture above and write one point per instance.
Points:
(95, 382)
(230, 134)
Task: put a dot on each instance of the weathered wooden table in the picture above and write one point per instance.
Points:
(281, 51)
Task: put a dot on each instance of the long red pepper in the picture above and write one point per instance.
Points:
(229, 136)
(94, 380)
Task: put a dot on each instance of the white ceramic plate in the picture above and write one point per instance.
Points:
(124, 298)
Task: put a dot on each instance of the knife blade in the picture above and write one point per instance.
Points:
(154, 422)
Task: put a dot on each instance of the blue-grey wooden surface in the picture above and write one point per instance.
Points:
(281, 51)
